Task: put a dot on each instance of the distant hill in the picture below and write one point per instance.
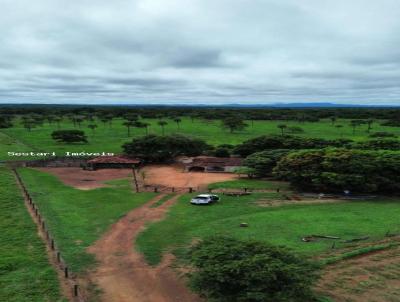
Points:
(232, 105)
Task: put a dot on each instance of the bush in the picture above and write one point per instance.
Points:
(264, 162)
(222, 152)
(270, 142)
(229, 270)
(156, 148)
(378, 144)
(382, 134)
(69, 136)
(342, 169)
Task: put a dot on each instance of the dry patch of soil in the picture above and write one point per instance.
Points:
(86, 180)
(373, 277)
(175, 176)
(122, 274)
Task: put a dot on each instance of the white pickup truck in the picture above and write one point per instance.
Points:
(204, 199)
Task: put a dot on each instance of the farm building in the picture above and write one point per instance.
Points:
(112, 162)
(213, 164)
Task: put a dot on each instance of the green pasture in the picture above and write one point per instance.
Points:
(284, 225)
(77, 218)
(252, 184)
(25, 273)
(110, 138)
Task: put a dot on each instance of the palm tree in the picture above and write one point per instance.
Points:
(128, 125)
(340, 127)
(282, 127)
(93, 127)
(142, 125)
(162, 124)
(369, 122)
(177, 120)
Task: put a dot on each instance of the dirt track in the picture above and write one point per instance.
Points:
(123, 275)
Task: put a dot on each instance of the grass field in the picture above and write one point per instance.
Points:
(77, 218)
(25, 273)
(110, 139)
(284, 225)
(250, 184)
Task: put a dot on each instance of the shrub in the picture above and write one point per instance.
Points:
(382, 134)
(229, 270)
(379, 144)
(222, 152)
(156, 148)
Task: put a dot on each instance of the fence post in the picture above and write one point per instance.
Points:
(190, 190)
(66, 272)
(75, 290)
(52, 244)
(58, 257)
(155, 189)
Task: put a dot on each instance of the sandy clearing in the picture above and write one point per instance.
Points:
(122, 273)
(174, 176)
(152, 175)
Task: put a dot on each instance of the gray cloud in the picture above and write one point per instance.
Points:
(200, 51)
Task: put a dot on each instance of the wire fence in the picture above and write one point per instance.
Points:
(77, 293)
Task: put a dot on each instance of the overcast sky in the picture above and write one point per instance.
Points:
(200, 51)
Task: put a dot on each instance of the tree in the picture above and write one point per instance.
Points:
(128, 125)
(234, 123)
(58, 120)
(270, 142)
(333, 120)
(264, 162)
(383, 134)
(93, 127)
(378, 144)
(162, 124)
(340, 127)
(139, 124)
(283, 128)
(337, 170)
(177, 120)
(164, 148)
(69, 136)
(5, 122)
(28, 123)
(369, 123)
(295, 129)
(231, 270)
(222, 152)
(356, 123)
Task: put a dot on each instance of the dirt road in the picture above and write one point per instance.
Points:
(123, 275)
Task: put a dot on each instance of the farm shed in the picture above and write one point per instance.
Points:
(112, 162)
(213, 164)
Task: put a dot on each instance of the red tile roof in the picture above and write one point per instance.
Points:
(114, 160)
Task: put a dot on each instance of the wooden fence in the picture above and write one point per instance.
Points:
(70, 278)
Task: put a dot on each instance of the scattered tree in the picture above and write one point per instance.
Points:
(162, 124)
(234, 123)
(283, 128)
(164, 148)
(93, 127)
(69, 136)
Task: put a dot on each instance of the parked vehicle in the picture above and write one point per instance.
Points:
(204, 199)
